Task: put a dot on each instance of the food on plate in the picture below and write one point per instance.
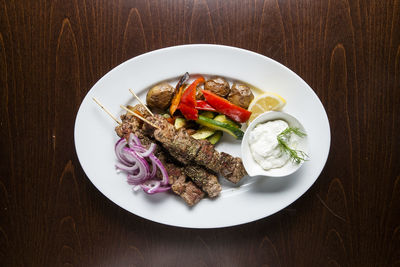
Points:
(227, 108)
(141, 165)
(203, 105)
(178, 93)
(174, 148)
(273, 144)
(203, 178)
(287, 144)
(240, 95)
(265, 102)
(218, 86)
(190, 191)
(197, 115)
(186, 149)
(187, 104)
(222, 126)
(160, 96)
(213, 139)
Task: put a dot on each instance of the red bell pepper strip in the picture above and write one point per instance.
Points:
(203, 105)
(188, 100)
(225, 107)
(189, 95)
(190, 113)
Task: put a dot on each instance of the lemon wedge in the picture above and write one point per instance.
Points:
(265, 102)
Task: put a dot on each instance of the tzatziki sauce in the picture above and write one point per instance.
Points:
(264, 144)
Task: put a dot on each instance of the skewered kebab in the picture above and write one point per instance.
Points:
(206, 181)
(187, 190)
(186, 149)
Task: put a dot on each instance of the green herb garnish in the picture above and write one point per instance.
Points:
(296, 156)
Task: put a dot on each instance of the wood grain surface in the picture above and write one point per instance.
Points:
(52, 53)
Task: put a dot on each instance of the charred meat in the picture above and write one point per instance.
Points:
(205, 180)
(187, 190)
(180, 144)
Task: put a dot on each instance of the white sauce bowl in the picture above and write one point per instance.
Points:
(251, 166)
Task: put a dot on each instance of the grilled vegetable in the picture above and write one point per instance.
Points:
(223, 118)
(203, 133)
(203, 105)
(179, 123)
(213, 139)
(189, 95)
(208, 114)
(188, 100)
(217, 125)
(223, 106)
(179, 90)
(218, 86)
(160, 96)
(240, 95)
(190, 113)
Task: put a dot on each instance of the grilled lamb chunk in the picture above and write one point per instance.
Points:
(167, 137)
(190, 193)
(126, 127)
(207, 155)
(203, 179)
(183, 142)
(179, 143)
(231, 167)
(187, 190)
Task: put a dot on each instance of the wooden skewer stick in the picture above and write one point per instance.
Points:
(106, 110)
(140, 101)
(140, 117)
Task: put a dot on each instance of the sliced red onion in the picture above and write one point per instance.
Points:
(144, 170)
(153, 186)
(133, 139)
(153, 170)
(127, 154)
(155, 161)
(118, 148)
(126, 168)
(135, 180)
(135, 160)
(149, 151)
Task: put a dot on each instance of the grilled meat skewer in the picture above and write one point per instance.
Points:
(186, 149)
(187, 190)
(207, 181)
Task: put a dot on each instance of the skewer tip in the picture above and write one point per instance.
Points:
(106, 110)
(140, 101)
(139, 117)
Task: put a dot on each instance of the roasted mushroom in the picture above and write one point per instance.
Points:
(240, 95)
(218, 86)
(160, 96)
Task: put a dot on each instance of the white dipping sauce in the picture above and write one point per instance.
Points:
(264, 144)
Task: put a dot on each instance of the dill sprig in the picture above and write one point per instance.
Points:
(296, 156)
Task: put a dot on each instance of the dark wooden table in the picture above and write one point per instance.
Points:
(52, 53)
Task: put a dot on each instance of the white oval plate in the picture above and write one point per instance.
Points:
(254, 198)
